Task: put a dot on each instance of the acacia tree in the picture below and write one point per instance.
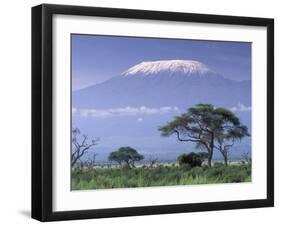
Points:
(125, 155)
(80, 146)
(225, 140)
(201, 125)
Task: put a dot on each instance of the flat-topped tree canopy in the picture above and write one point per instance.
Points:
(204, 124)
(125, 155)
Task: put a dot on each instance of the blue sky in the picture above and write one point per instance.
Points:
(98, 58)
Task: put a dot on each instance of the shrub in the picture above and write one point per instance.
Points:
(235, 177)
(195, 171)
(193, 159)
(205, 167)
(185, 166)
(216, 171)
(217, 164)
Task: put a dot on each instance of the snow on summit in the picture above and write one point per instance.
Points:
(187, 67)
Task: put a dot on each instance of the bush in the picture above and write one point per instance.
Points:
(217, 164)
(185, 166)
(216, 171)
(193, 159)
(195, 171)
(205, 167)
(234, 178)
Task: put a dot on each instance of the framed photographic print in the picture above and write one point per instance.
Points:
(146, 112)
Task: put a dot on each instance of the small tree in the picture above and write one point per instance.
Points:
(125, 156)
(152, 161)
(80, 146)
(91, 161)
(247, 157)
(225, 140)
(193, 159)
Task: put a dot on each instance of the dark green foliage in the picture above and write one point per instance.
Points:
(104, 178)
(218, 164)
(125, 155)
(192, 159)
(185, 166)
(203, 155)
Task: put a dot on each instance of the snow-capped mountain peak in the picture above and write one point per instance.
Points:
(186, 67)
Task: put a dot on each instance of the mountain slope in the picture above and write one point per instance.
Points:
(165, 83)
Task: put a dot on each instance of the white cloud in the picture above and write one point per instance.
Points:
(241, 108)
(140, 119)
(126, 111)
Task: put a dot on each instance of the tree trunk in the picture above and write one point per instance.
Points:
(210, 157)
(225, 159)
(73, 161)
(128, 164)
(132, 164)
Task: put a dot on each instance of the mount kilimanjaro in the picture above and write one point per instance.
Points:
(165, 83)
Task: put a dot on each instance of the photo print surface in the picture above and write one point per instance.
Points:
(159, 112)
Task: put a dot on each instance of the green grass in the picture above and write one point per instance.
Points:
(104, 178)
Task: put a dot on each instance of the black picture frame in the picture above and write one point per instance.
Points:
(42, 111)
